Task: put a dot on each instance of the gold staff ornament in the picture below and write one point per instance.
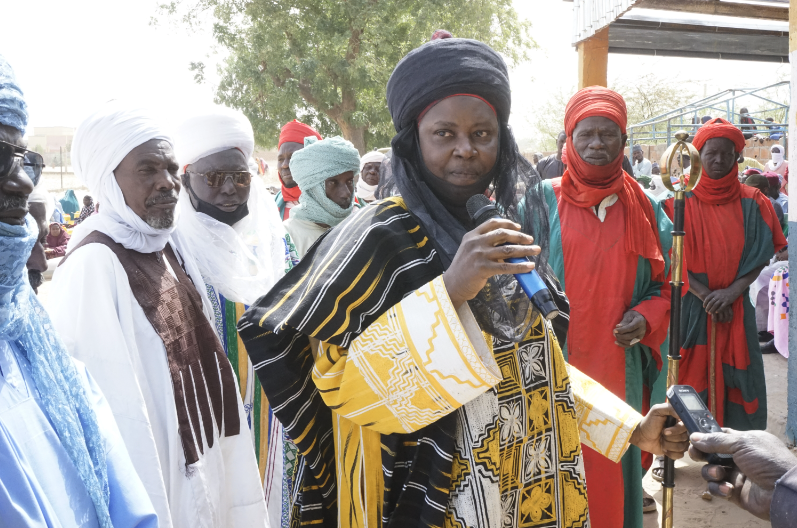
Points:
(679, 185)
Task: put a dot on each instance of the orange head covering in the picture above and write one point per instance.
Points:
(295, 132)
(586, 185)
(727, 188)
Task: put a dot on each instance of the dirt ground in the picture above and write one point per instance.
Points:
(690, 510)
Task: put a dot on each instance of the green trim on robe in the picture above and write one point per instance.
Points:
(758, 241)
(641, 369)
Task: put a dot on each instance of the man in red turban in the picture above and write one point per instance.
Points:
(731, 234)
(609, 247)
(291, 139)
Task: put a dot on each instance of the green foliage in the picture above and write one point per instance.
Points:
(327, 62)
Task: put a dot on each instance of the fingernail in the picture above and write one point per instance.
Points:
(696, 437)
(634, 341)
(667, 432)
(724, 489)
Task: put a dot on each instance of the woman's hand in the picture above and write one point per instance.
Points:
(481, 255)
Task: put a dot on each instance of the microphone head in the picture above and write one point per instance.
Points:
(480, 209)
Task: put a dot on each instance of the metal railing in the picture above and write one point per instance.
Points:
(662, 128)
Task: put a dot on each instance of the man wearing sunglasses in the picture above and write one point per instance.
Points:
(63, 461)
(233, 228)
(141, 320)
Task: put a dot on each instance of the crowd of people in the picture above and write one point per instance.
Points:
(355, 350)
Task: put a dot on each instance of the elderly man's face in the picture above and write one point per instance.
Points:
(340, 188)
(718, 156)
(370, 173)
(14, 186)
(459, 141)
(637, 155)
(229, 196)
(148, 179)
(598, 140)
(283, 162)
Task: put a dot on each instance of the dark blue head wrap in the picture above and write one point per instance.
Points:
(13, 109)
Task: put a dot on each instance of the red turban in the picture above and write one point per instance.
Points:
(295, 132)
(718, 127)
(586, 185)
(727, 188)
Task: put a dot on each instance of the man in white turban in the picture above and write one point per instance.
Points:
(370, 166)
(140, 321)
(232, 226)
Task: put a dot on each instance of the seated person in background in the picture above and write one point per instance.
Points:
(87, 211)
(325, 173)
(57, 239)
(69, 203)
(369, 176)
(764, 481)
(747, 123)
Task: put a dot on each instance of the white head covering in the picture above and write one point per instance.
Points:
(101, 143)
(364, 190)
(242, 261)
(777, 156)
(211, 130)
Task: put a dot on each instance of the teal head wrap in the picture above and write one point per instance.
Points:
(311, 167)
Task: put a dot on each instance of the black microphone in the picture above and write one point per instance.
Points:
(481, 209)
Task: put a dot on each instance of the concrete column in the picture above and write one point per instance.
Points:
(593, 59)
(791, 423)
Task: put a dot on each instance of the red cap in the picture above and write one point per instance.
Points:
(295, 132)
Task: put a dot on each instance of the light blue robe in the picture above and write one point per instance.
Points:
(39, 486)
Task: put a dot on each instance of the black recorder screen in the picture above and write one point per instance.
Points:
(692, 402)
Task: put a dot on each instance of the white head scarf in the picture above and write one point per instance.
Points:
(777, 156)
(101, 143)
(242, 261)
(364, 190)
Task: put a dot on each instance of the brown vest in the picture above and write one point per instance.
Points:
(201, 373)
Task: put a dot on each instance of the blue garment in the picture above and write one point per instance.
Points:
(39, 486)
(13, 109)
(25, 323)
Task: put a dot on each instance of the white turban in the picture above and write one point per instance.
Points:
(213, 130)
(371, 157)
(365, 191)
(242, 261)
(101, 143)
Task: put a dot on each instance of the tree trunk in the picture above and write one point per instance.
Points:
(355, 134)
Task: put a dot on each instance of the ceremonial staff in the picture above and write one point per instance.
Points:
(679, 185)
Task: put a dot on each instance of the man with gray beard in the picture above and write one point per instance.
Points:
(140, 320)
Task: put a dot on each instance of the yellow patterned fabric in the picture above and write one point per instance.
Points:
(522, 414)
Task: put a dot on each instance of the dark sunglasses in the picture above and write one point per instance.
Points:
(11, 154)
(218, 178)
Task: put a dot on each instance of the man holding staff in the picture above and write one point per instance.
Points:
(731, 234)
